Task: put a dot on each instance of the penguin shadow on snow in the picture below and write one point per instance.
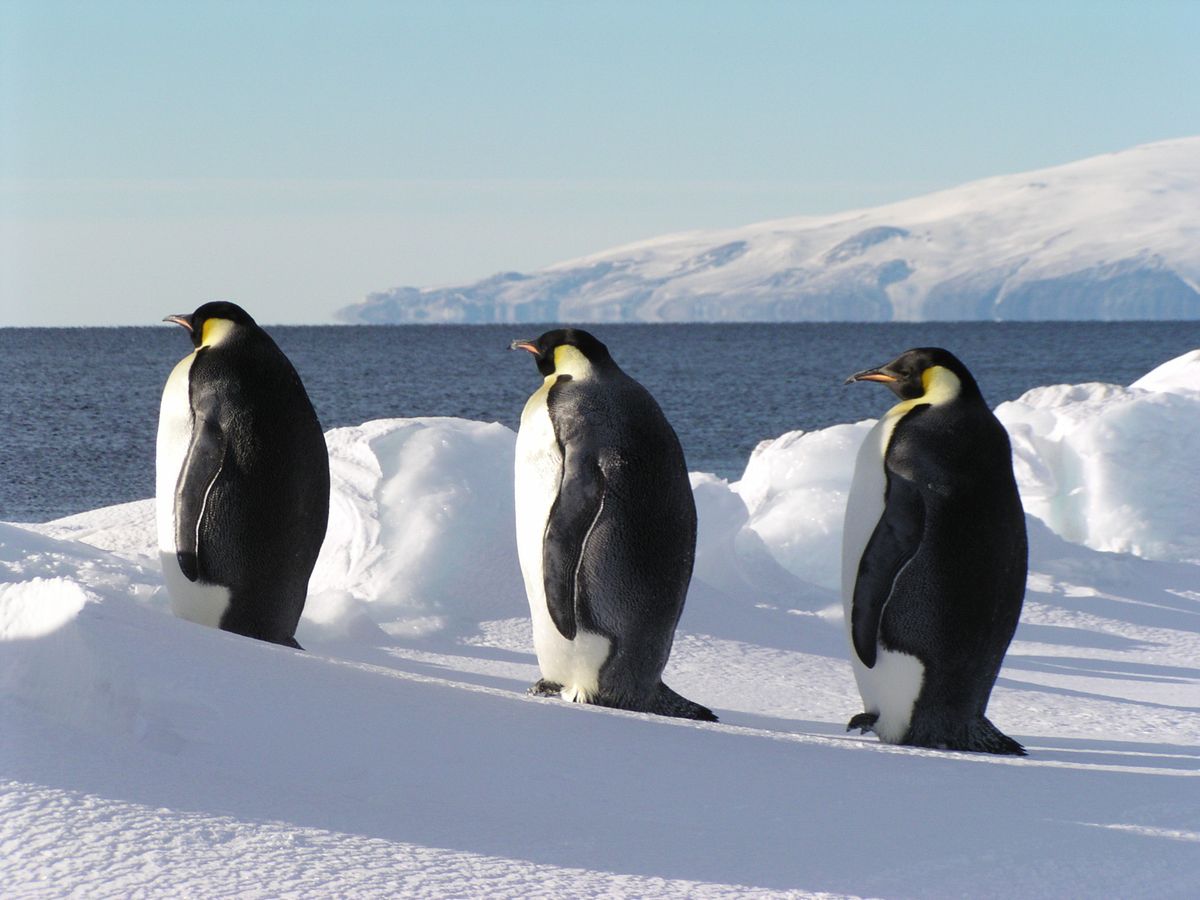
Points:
(767, 620)
(453, 650)
(1115, 669)
(1135, 591)
(1112, 753)
(483, 666)
(1007, 680)
(1072, 636)
(490, 668)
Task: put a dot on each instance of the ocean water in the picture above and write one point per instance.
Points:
(79, 406)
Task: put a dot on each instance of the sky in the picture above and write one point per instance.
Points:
(296, 156)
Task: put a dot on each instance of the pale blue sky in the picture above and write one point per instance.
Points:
(294, 156)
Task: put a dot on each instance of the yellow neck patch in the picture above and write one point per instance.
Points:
(941, 386)
(214, 331)
(569, 361)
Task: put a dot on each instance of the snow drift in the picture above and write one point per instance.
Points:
(139, 752)
(1110, 237)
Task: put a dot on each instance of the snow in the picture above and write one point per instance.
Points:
(1112, 467)
(144, 755)
(1109, 237)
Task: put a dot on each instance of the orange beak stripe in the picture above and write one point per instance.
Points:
(179, 320)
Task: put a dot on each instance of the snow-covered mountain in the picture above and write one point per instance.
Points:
(1110, 237)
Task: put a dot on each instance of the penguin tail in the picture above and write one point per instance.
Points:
(669, 703)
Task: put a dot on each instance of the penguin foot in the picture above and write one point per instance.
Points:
(984, 737)
(669, 703)
(663, 702)
(977, 736)
(544, 688)
(283, 640)
(864, 722)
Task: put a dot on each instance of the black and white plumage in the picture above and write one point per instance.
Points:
(934, 559)
(606, 529)
(242, 480)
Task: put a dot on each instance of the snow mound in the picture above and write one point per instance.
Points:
(32, 609)
(1179, 375)
(420, 527)
(144, 755)
(1106, 466)
(795, 489)
(1114, 468)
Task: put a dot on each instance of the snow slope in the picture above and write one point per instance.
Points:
(141, 754)
(1110, 237)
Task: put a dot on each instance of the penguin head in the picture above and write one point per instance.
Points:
(212, 322)
(929, 374)
(566, 351)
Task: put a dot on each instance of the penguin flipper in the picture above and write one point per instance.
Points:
(893, 543)
(580, 497)
(205, 456)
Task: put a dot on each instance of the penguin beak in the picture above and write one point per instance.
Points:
(185, 321)
(525, 345)
(872, 375)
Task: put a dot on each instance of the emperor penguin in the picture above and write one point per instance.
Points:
(242, 480)
(934, 559)
(606, 529)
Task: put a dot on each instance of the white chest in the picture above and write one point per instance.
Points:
(174, 436)
(196, 602)
(539, 465)
(891, 687)
(864, 504)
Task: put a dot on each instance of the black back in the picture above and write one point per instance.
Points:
(264, 518)
(956, 603)
(620, 544)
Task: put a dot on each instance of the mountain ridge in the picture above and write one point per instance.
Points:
(1115, 236)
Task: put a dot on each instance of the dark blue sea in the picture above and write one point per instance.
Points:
(79, 406)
